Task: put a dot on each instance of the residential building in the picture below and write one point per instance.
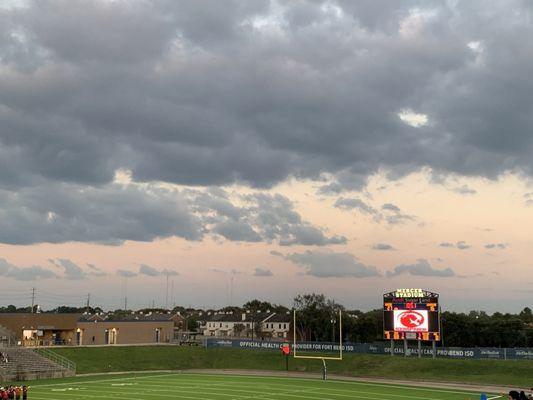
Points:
(260, 325)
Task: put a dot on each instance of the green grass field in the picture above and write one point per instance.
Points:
(146, 358)
(206, 387)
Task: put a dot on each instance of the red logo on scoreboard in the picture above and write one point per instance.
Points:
(411, 319)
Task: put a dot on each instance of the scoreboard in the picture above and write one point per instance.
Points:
(411, 314)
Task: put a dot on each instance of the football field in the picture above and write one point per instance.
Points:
(207, 387)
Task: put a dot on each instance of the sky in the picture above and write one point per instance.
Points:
(204, 153)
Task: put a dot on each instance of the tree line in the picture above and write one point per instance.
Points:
(317, 320)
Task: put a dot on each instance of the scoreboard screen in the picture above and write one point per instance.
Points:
(411, 314)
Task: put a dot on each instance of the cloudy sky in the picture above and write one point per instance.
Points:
(246, 149)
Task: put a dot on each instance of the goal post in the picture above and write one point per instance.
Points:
(318, 357)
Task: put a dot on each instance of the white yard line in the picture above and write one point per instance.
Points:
(407, 387)
(197, 379)
(270, 386)
(104, 380)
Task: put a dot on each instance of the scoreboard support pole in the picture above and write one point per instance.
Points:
(392, 347)
(434, 345)
(419, 348)
(405, 348)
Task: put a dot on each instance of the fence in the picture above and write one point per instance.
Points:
(381, 348)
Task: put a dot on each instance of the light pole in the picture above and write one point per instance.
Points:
(443, 320)
(333, 322)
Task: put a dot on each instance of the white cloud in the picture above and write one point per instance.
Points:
(413, 119)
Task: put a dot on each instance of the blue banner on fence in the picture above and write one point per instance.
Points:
(380, 348)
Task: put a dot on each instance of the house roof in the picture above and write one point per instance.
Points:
(248, 317)
(282, 318)
(150, 317)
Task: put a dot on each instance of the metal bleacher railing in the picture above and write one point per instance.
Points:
(56, 358)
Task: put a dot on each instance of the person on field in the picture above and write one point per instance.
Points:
(18, 392)
(25, 392)
(514, 395)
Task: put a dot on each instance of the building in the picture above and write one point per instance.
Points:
(41, 329)
(261, 325)
(48, 329)
(133, 329)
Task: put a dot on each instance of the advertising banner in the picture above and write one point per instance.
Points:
(379, 348)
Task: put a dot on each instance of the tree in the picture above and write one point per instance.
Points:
(314, 316)
(258, 328)
(192, 323)
(526, 315)
(238, 329)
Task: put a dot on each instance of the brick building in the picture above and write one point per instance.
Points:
(45, 329)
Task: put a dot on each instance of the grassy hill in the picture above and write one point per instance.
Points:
(135, 358)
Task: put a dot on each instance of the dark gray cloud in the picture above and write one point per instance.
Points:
(421, 268)
(96, 271)
(461, 245)
(237, 231)
(113, 213)
(393, 215)
(213, 94)
(125, 273)
(500, 246)
(465, 190)
(232, 271)
(70, 269)
(391, 207)
(389, 213)
(31, 273)
(355, 204)
(330, 265)
(263, 217)
(151, 271)
(108, 214)
(382, 247)
(274, 116)
(263, 272)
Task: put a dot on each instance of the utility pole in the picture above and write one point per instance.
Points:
(88, 303)
(173, 298)
(166, 295)
(32, 299)
(231, 291)
(125, 294)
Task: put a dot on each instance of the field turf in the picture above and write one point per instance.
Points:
(158, 386)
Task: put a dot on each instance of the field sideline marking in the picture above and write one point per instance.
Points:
(495, 397)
